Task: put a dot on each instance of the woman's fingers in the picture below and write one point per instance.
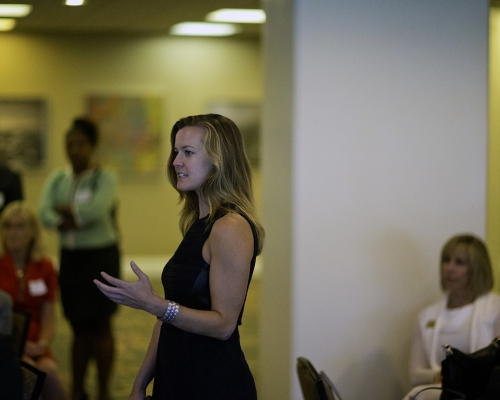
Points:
(113, 293)
(114, 281)
(141, 275)
(126, 293)
(122, 284)
(133, 294)
(106, 289)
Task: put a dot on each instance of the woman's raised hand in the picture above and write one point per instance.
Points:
(138, 294)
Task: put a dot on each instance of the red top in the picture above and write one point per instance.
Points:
(29, 293)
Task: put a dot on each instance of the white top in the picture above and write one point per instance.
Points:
(455, 330)
(480, 323)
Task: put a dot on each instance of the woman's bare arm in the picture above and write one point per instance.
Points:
(229, 251)
(47, 331)
(147, 370)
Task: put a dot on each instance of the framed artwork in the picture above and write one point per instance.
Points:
(247, 117)
(23, 133)
(130, 133)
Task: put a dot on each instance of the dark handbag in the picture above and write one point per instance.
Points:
(470, 373)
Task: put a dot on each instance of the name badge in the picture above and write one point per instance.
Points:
(83, 196)
(37, 287)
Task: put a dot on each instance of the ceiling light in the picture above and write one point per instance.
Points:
(75, 2)
(203, 29)
(7, 24)
(15, 10)
(239, 15)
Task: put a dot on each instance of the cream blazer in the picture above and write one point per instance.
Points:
(485, 313)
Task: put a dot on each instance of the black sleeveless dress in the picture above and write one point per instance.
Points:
(191, 366)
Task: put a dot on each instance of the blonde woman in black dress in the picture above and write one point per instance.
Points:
(195, 351)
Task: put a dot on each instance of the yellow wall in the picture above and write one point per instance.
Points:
(493, 210)
(187, 73)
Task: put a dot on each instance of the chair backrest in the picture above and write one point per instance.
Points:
(311, 383)
(33, 380)
(331, 391)
(20, 326)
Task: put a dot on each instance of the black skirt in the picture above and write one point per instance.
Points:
(82, 301)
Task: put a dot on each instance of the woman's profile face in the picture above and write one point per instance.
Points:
(79, 150)
(191, 163)
(17, 233)
(455, 271)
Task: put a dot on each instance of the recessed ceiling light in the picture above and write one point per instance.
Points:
(7, 24)
(75, 2)
(203, 29)
(239, 15)
(15, 10)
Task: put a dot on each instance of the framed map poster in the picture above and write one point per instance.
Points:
(130, 133)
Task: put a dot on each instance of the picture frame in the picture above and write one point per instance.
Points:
(23, 133)
(130, 132)
(246, 116)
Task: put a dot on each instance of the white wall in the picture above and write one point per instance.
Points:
(389, 137)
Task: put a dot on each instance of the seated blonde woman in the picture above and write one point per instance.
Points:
(31, 280)
(468, 318)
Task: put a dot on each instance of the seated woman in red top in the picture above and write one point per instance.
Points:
(31, 281)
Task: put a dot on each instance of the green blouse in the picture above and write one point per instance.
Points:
(93, 199)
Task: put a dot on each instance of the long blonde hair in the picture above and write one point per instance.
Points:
(20, 208)
(228, 187)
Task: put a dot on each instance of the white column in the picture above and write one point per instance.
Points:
(379, 158)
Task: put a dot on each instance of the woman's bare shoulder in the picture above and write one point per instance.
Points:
(231, 224)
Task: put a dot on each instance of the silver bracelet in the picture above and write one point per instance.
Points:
(170, 313)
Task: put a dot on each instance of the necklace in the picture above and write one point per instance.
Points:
(20, 273)
(20, 270)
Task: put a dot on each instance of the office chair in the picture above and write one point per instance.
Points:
(311, 383)
(33, 380)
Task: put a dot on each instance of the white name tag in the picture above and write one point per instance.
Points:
(83, 196)
(37, 287)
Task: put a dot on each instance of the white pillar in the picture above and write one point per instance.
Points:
(374, 153)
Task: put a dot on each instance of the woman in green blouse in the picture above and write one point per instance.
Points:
(79, 202)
